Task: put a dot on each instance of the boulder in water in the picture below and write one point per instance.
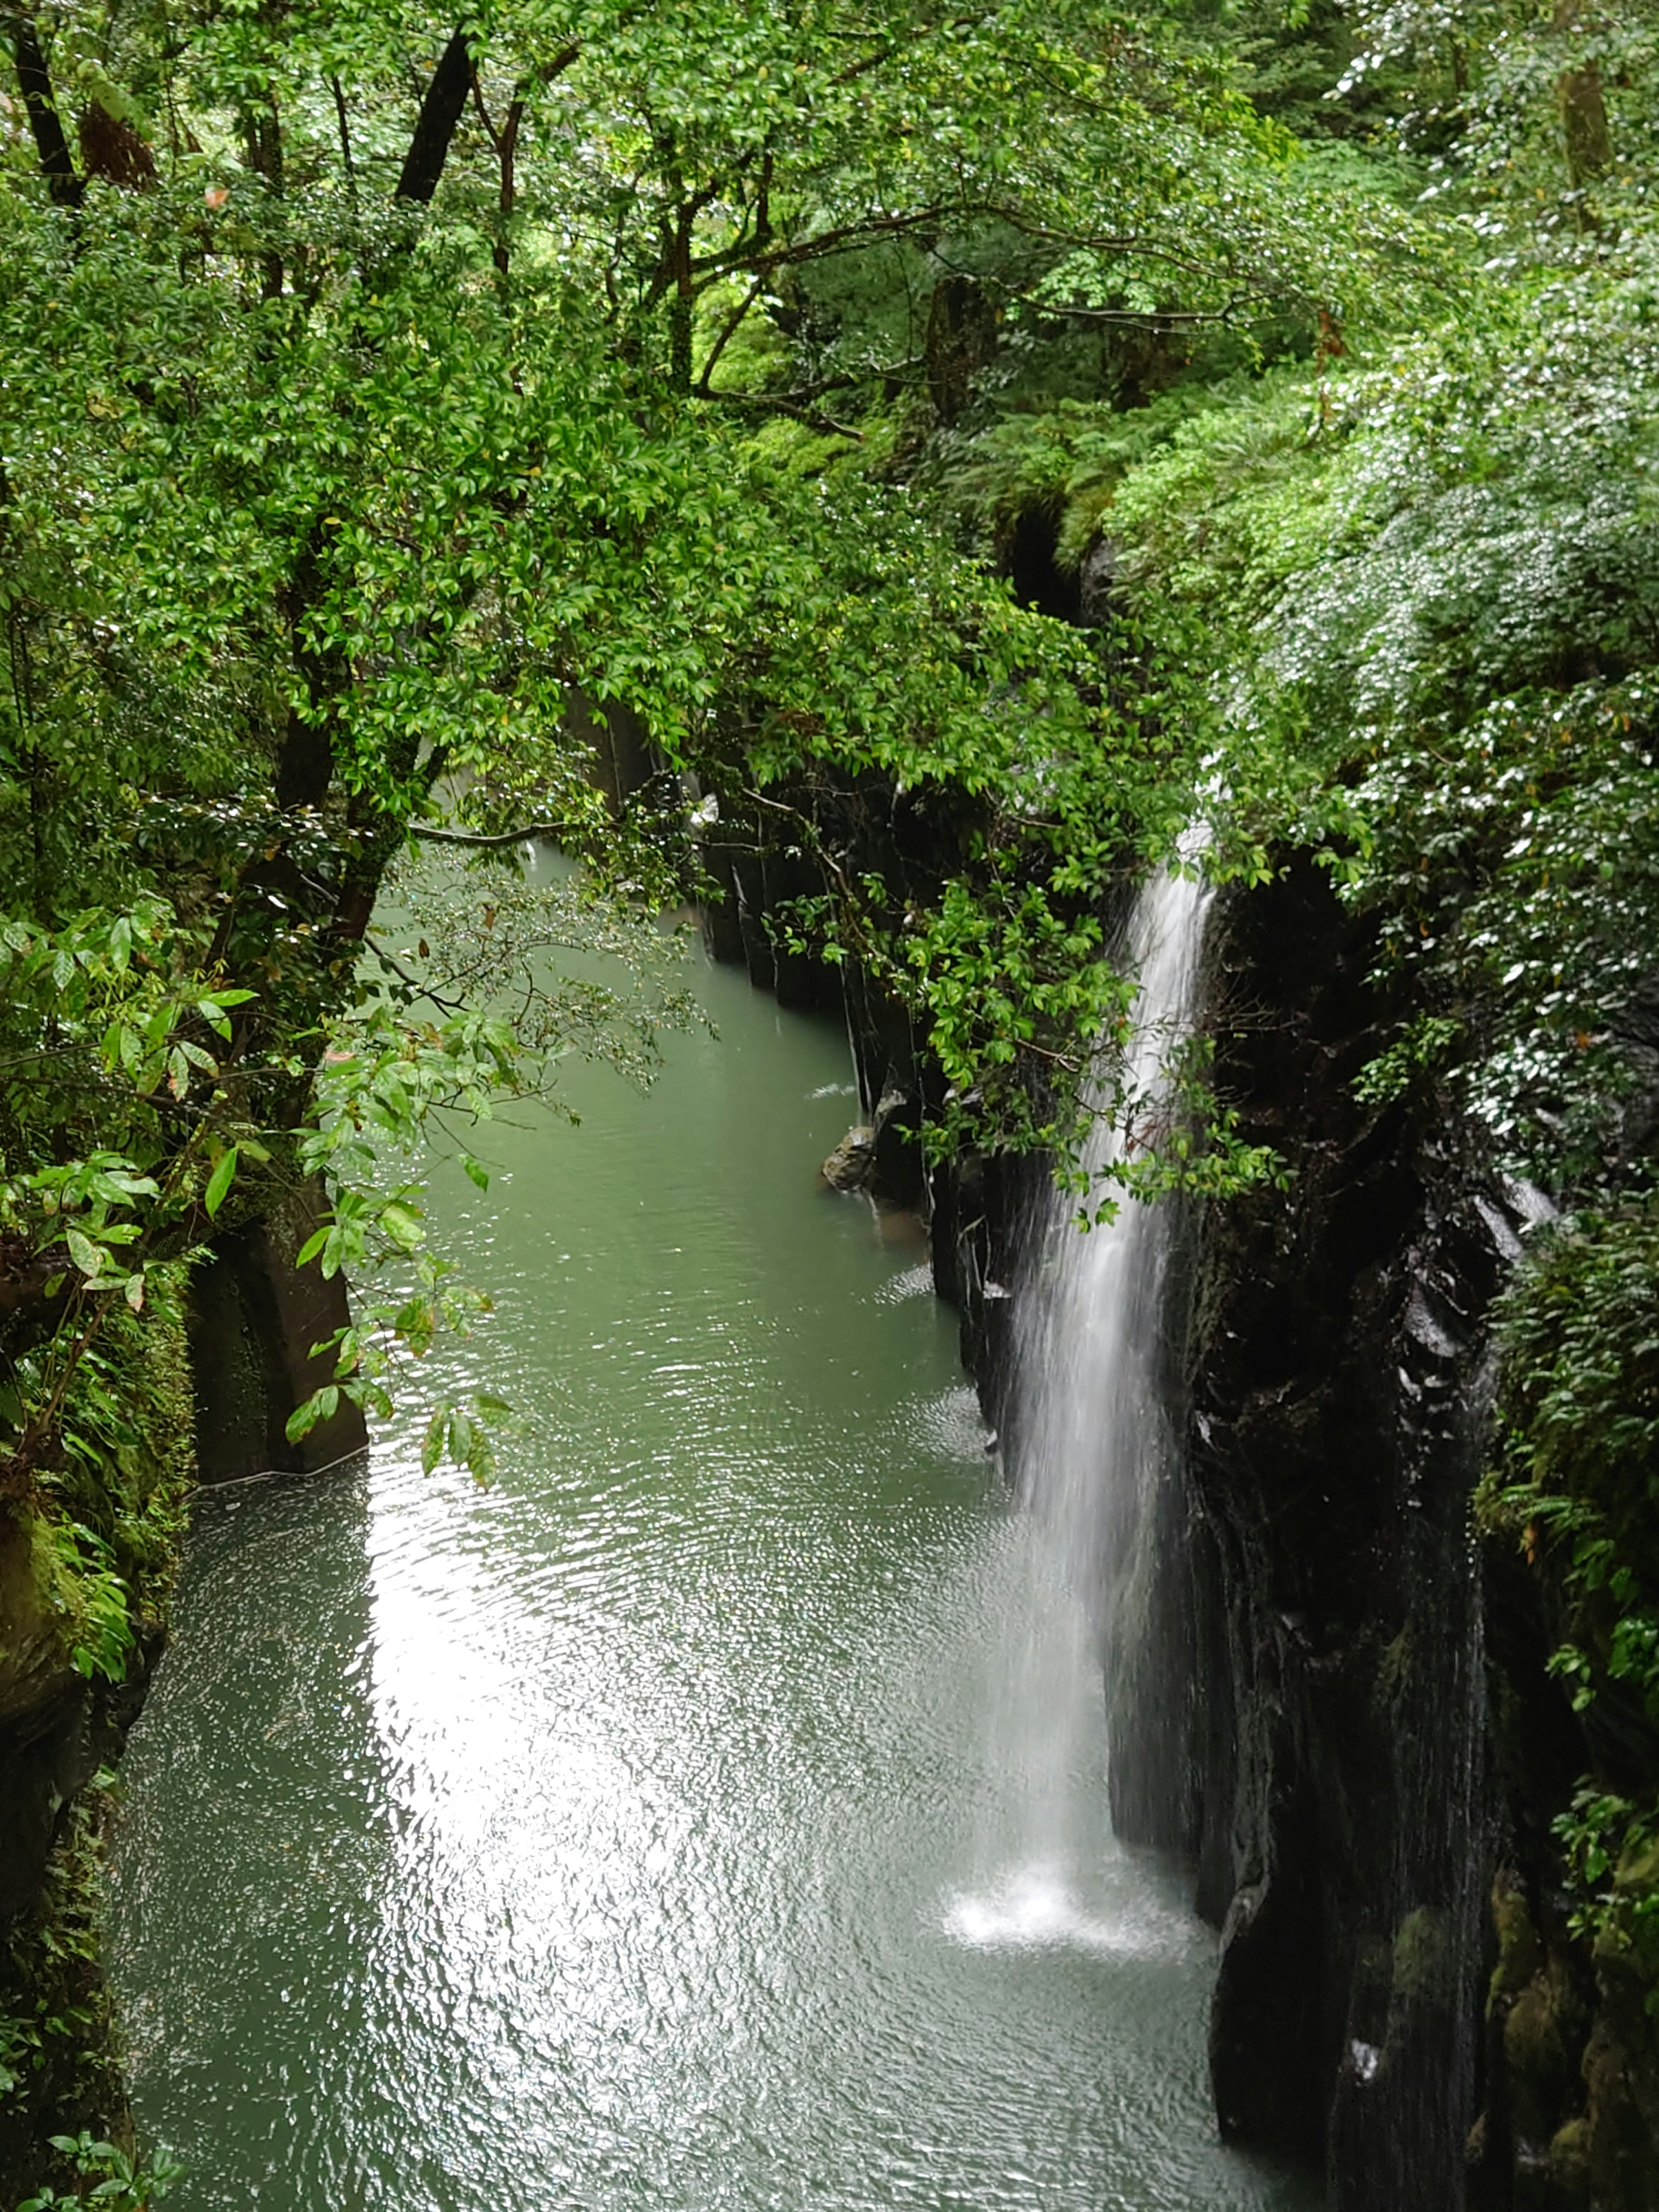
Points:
(851, 1165)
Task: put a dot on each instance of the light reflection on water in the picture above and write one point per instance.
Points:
(633, 1834)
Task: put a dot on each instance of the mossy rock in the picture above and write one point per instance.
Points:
(1639, 1872)
(1621, 2072)
(1422, 1957)
(1520, 1952)
(1569, 2164)
(1534, 2041)
(1393, 1668)
(34, 1659)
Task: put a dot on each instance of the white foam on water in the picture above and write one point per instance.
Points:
(1036, 1907)
(915, 1282)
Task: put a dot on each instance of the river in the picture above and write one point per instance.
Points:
(628, 1835)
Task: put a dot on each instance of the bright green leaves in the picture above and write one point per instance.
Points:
(455, 1433)
(321, 1406)
(94, 1600)
(121, 2181)
(1415, 608)
(360, 1224)
(113, 987)
(104, 1022)
(99, 1208)
(376, 1355)
(87, 1257)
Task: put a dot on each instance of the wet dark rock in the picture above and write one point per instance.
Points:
(851, 1165)
(898, 1166)
(1373, 1817)
(254, 1317)
(46, 1750)
(1097, 581)
(1338, 1365)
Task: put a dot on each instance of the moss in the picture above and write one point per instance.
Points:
(1421, 1955)
(109, 1515)
(1570, 2162)
(59, 2058)
(1622, 2073)
(85, 1574)
(1520, 1953)
(1533, 2042)
(1393, 1666)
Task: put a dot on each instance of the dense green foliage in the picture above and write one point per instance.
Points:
(365, 456)
(1577, 1481)
(1419, 581)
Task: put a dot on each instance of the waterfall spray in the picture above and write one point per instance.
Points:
(1095, 1457)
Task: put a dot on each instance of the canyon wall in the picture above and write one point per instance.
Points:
(1367, 1747)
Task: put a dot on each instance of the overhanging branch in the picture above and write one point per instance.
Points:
(436, 836)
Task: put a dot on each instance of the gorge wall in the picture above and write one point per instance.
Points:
(1400, 1990)
(1368, 1748)
(197, 1391)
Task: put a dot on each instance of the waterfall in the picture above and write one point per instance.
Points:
(1096, 1477)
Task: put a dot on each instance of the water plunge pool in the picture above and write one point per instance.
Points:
(638, 1833)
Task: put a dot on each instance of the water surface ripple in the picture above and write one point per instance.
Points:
(633, 1834)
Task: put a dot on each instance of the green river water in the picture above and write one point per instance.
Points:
(638, 1833)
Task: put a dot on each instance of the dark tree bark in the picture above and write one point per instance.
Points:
(112, 149)
(35, 83)
(440, 112)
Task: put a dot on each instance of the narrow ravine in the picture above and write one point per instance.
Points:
(618, 1836)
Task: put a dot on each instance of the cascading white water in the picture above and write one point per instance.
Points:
(1093, 1449)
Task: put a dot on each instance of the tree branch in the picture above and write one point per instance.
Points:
(825, 425)
(435, 836)
(422, 990)
(729, 332)
(440, 110)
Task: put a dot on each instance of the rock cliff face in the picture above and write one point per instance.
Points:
(1338, 1406)
(1378, 1748)
(58, 1727)
(57, 1730)
(1368, 1748)
(253, 1319)
(972, 1206)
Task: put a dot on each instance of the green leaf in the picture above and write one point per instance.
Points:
(219, 1183)
(432, 1445)
(88, 1256)
(403, 1225)
(304, 1417)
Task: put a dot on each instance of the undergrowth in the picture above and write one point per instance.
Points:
(1576, 1484)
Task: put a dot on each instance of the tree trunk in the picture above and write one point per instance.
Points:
(1584, 109)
